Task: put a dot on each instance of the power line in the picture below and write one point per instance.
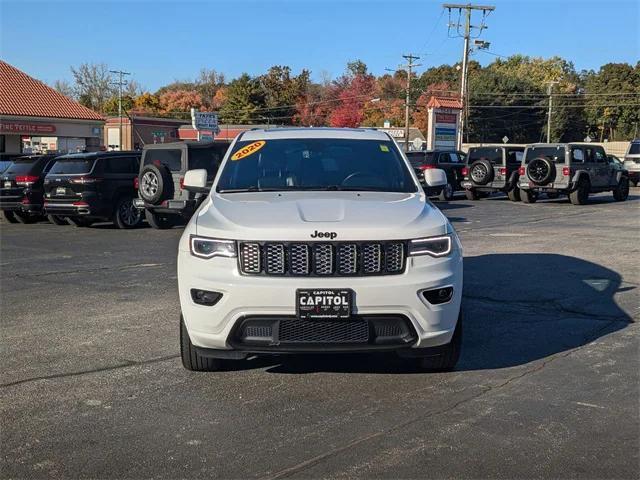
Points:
(558, 106)
(486, 10)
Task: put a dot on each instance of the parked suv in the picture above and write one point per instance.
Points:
(318, 240)
(573, 169)
(632, 162)
(451, 161)
(162, 170)
(492, 168)
(87, 187)
(21, 187)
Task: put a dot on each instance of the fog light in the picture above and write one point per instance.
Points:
(204, 297)
(438, 295)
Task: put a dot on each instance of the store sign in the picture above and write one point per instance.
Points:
(26, 128)
(396, 133)
(445, 128)
(205, 121)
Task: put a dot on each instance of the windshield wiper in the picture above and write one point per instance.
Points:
(340, 188)
(251, 189)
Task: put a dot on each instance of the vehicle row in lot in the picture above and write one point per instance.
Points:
(84, 188)
(523, 173)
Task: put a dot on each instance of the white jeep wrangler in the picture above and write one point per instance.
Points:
(318, 240)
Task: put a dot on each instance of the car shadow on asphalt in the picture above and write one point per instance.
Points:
(597, 200)
(518, 308)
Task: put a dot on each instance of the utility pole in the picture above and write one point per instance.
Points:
(468, 8)
(550, 85)
(409, 69)
(120, 83)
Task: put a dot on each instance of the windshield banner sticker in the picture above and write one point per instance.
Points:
(248, 150)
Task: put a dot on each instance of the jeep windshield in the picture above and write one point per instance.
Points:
(315, 164)
(553, 154)
(72, 166)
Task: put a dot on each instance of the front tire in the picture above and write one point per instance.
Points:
(160, 222)
(527, 196)
(24, 218)
(514, 194)
(126, 215)
(471, 195)
(580, 195)
(190, 358)
(621, 192)
(445, 357)
(447, 193)
(9, 216)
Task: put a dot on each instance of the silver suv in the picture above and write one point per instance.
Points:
(492, 168)
(573, 169)
(160, 182)
(632, 162)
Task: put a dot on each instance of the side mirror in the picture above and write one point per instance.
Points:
(435, 177)
(196, 181)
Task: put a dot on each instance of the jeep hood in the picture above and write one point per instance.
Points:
(296, 216)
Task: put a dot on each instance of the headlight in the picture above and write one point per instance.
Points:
(434, 246)
(204, 247)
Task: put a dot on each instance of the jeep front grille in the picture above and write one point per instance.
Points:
(322, 259)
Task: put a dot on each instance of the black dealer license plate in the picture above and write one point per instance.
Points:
(323, 303)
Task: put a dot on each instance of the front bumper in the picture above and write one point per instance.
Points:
(16, 205)
(176, 207)
(58, 207)
(244, 296)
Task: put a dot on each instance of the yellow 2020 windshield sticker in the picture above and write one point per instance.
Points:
(248, 150)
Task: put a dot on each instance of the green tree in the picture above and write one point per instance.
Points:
(245, 97)
(281, 92)
(111, 105)
(612, 101)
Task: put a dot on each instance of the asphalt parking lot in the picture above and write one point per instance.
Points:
(547, 386)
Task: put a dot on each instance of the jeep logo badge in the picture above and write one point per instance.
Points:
(318, 234)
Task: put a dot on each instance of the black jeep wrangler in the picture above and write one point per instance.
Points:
(492, 168)
(162, 196)
(572, 169)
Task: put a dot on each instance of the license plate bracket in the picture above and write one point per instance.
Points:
(324, 303)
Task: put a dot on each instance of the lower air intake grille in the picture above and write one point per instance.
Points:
(303, 331)
(322, 259)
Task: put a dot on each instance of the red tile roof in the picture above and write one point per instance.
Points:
(442, 102)
(22, 95)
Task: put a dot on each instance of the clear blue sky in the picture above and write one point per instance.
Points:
(160, 41)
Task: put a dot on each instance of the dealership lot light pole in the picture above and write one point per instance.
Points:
(120, 83)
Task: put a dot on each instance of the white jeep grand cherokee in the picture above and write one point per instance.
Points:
(318, 240)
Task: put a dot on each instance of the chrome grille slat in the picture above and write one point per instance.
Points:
(250, 260)
(274, 257)
(372, 258)
(299, 259)
(394, 257)
(347, 258)
(322, 259)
